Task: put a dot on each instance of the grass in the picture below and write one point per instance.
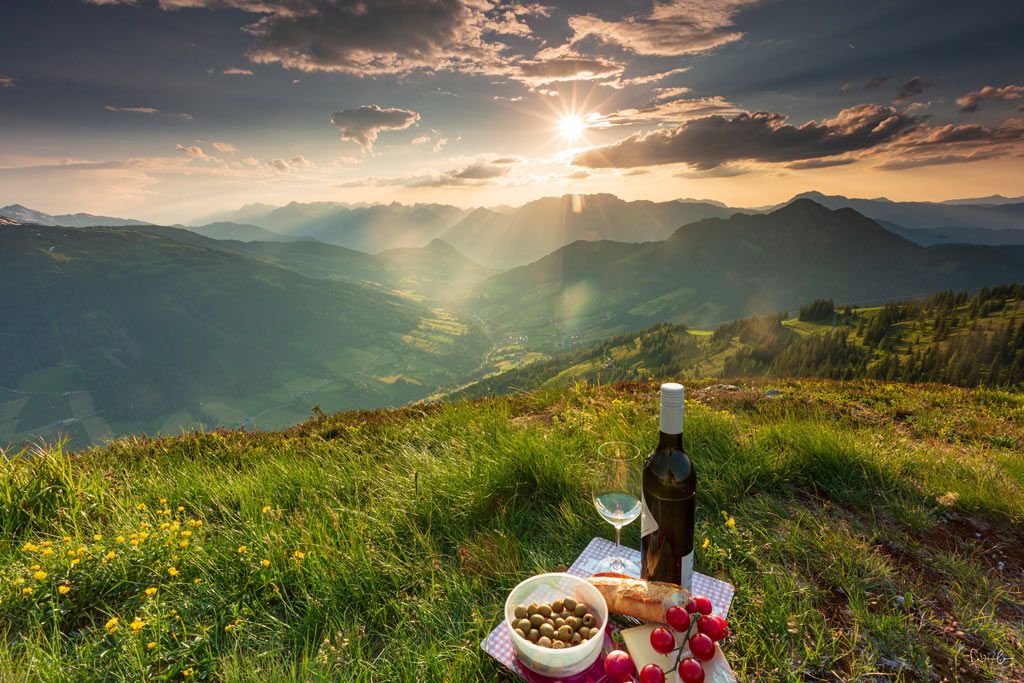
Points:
(877, 536)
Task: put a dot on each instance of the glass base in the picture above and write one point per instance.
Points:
(619, 565)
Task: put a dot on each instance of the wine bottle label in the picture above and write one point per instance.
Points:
(686, 571)
(648, 525)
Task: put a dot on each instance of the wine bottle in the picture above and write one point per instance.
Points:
(669, 503)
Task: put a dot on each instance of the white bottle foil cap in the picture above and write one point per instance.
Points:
(672, 394)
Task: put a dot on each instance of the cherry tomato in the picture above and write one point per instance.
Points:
(714, 627)
(702, 647)
(698, 604)
(690, 671)
(662, 641)
(677, 618)
(652, 673)
(618, 666)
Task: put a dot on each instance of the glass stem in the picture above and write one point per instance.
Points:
(618, 533)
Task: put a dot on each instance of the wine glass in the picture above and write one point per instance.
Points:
(616, 494)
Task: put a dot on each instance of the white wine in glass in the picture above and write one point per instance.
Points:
(616, 494)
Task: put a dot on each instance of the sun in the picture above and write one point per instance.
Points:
(572, 127)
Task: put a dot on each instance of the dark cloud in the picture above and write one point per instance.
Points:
(915, 86)
(819, 163)
(869, 84)
(476, 173)
(6, 81)
(1009, 131)
(662, 110)
(759, 136)
(481, 170)
(133, 110)
(972, 100)
(363, 124)
(677, 27)
(900, 164)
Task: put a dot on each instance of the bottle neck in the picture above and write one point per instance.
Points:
(670, 442)
(670, 432)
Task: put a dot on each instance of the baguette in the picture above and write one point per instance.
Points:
(643, 600)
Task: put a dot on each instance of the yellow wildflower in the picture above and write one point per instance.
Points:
(141, 506)
(81, 550)
(172, 571)
(146, 525)
(183, 544)
(197, 581)
(120, 539)
(135, 543)
(731, 522)
(165, 526)
(175, 525)
(151, 645)
(706, 543)
(137, 625)
(111, 625)
(18, 581)
(71, 553)
(30, 547)
(181, 508)
(47, 551)
(186, 533)
(35, 567)
(299, 555)
(64, 589)
(266, 509)
(111, 555)
(229, 628)
(242, 549)
(26, 590)
(67, 539)
(187, 672)
(265, 563)
(46, 544)
(151, 591)
(75, 561)
(144, 535)
(163, 501)
(97, 537)
(40, 575)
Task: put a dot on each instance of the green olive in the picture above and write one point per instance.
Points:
(573, 623)
(593, 632)
(519, 632)
(557, 606)
(569, 604)
(533, 636)
(584, 632)
(545, 610)
(544, 641)
(580, 610)
(589, 620)
(565, 614)
(520, 611)
(557, 645)
(547, 630)
(559, 622)
(536, 620)
(564, 633)
(532, 609)
(576, 639)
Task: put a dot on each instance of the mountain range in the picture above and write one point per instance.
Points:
(130, 328)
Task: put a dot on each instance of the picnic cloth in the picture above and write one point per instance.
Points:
(499, 643)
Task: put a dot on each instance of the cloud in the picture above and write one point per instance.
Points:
(478, 172)
(900, 164)
(819, 163)
(759, 136)
(678, 27)
(666, 108)
(111, 2)
(871, 83)
(7, 81)
(134, 110)
(384, 37)
(363, 124)
(972, 100)
(578, 175)
(195, 151)
(439, 145)
(235, 71)
(574, 68)
(296, 163)
(1009, 131)
(915, 86)
(224, 147)
(420, 140)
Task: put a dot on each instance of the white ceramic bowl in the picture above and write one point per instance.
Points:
(548, 588)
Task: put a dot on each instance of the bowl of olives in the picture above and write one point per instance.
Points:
(557, 622)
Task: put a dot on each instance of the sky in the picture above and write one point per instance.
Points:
(169, 110)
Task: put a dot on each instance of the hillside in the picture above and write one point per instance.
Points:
(955, 338)
(243, 232)
(871, 529)
(118, 330)
(992, 216)
(720, 269)
(23, 214)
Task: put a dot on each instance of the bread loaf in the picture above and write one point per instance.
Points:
(643, 600)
